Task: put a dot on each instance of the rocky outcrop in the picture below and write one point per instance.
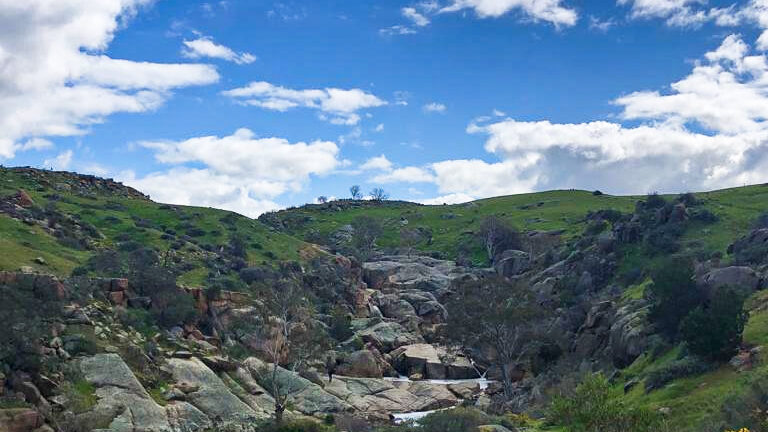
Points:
(20, 420)
(362, 363)
(741, 278)
(211, 395)
(377, 399)
(387, 336)
(629, 333)
(512, 263)
(120, 392)
(421, 273)
(306, 397)
(429, 362)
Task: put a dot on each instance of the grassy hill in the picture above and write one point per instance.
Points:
(562, 210)
(116, 214)
(92, 213)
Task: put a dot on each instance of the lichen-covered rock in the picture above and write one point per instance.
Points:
(212, 397)
(742, 278)
(362, 363)
(386, 336)
(118, 390)
(512, 263)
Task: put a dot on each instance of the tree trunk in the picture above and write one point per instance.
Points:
(506, 382)
(279, 410)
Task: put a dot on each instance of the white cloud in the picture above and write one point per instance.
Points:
(379, 127)
(378, 163)
(397, 30)
(205, 47)
(435, 107)
(55, 79)
(60, 162)
(338, 106)
(551, 11)
(417, 18)
(683, 13)
(240, 172)
(710, 130)
(203, 187)
(601, 25)
(458, 198)
(405, 175)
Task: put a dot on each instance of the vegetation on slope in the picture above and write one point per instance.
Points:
(107, 215)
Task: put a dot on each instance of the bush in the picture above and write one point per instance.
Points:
(714, 331)
(303, 425)
(454, 420)
(688, 366)
(341, 328)
(595, 406)
(673, 295)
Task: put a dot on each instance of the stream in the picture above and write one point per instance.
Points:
(416, 415)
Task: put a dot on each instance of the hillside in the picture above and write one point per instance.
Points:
(565, 211)
(94, 213)
(133, 315)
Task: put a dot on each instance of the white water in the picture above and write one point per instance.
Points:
(482, 382)
(414, 416)
(417, 415)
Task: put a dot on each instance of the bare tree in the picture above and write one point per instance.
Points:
(379, 194)
(354, 192)
(322, 199)
(290, 337)
(367, 230)
(497, 236)
(494, 316)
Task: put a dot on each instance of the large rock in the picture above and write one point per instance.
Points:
(212, 396)
(377, 398)
(120, 392)
(512, 263)
(386, 336)
(425, 360)
(362, 364)
(400, 272)
(19, 420)
(306, 396)
(629, 333)
(744, 279)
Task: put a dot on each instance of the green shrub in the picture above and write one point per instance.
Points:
(688, 366)
(673, 295)
(303, 425)
(714, 330)
(595, 406)
(454, 420)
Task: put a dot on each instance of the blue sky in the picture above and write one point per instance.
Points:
(257, 105)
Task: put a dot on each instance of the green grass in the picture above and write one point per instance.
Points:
(21, 244)
(122, 215)
(695, 400)
(453, 224)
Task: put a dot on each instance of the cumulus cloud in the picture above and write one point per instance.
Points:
(60, 162)
(378, 163)
(338, 106)
(551, 11)
(405, 175)
(205, 47)
(55, 79)
(417, 18)
(709, 130)
(239, 172)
